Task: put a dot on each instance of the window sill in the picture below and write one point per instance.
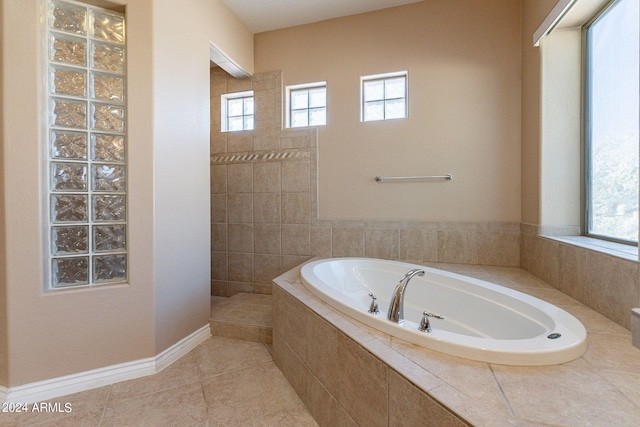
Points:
(611, 248)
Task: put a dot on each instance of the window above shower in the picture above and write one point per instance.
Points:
(237, 111)
(307, 105)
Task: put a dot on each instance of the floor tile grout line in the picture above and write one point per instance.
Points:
(502, 392)
(244, 368)
(104, 407)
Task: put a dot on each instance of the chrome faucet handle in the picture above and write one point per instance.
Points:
(373, 308)
(425, 325)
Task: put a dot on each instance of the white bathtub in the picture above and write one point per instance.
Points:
(482, 321)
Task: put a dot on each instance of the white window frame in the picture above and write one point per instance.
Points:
(384, 77)
(589, 229)
(307, 87)
(224, 116)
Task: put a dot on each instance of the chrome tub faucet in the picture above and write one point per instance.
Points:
(396, 306)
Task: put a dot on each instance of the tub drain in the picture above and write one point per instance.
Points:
(554, 336)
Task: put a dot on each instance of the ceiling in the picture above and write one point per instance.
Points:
(266, 15)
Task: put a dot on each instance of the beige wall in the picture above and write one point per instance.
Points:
(59, 333)
(560, 135)
(264, 199)
(463, 60)
(533, 13)
(4, 369)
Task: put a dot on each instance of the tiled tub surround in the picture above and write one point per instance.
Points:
(609, 284)
(264, 206)
(350, 374)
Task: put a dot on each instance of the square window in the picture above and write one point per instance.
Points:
(237, 111)
(384, 97)
(307, 105)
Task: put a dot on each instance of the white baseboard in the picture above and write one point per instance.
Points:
(182, 347)
(75, 383)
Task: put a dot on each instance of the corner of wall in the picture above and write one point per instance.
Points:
(3, 279)
(635, 327)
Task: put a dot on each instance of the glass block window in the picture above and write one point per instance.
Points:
(86, 141)
(384, 97)
(307, 105)
(237, 111)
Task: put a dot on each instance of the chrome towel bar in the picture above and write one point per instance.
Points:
(448, 177)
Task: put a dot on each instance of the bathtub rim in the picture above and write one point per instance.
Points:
(477, 349)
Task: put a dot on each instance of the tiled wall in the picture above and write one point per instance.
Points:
(260, 223)
(339, 380)
(608, 284)
(263, 206)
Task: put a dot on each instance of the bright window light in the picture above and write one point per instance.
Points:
(307, 105)
(612, 122)
(384, 97)
(237, 111)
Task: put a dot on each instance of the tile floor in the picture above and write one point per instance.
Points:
(243, 316)
(222, 382)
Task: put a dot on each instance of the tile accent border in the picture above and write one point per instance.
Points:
(273, 156)
(69, 384)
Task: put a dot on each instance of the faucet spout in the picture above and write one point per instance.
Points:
(396, 306)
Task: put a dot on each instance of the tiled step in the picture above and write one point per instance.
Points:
(243, 316)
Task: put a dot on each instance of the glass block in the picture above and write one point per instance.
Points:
(234, 107)
(67, 81)
(107, 118)
(108, 178)
(109, 268)
(68, 176)
(318, 117)
(107, 58)
(108, 27)
(374, 111)
(69, 18)
(374, 90)
(248, 122)
(68, 208)
(107, 148)
(70, 271)
(317, 97)
(299, 118)
(299, 99)
(235, 123)
(69, 240)
(68, 145)
(68, 50)
(109, 238)
(395, 109)
(394, 88)
(107, 88)
(247, 106)
(109, 208)
(67, 113)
